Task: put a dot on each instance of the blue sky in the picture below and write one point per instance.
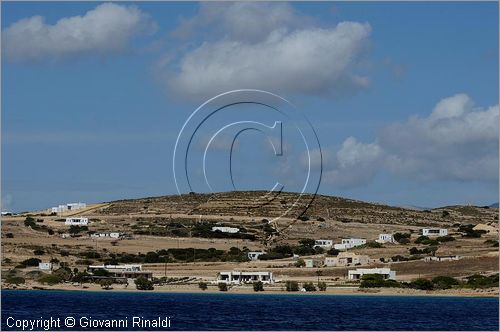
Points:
(403, 96)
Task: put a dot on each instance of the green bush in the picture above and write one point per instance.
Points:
(480, 281)
(446, 238)
(376, 281)
(142, 283)
(51, 279)
(444, 282)
(38, 252)
(309, 287)
(401, 237)
(292, 286)
(101, 273)
(15, 280)
(105, 283)
(203, 285)
(422, 284)
(9, 235)
(31, 262)
(372, 244)
(322, 286)
(222, 286)
(258, 286)
(300, 263)
(421, 239)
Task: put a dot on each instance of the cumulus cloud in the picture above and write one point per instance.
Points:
(268, 46)
(106, 29)
(244, 21)
(456, 141)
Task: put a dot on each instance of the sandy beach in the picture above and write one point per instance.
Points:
(274, 289)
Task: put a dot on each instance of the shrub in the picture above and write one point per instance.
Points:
(446, 238)
(31, 262)
(309, 287)
(398, 237)
(372, 244)
(64, 253)
(333, 252)
(322, 286)
(51, 279)
(142, 283)
(303, 218)
(292, 286)
(493, 243)
(444, 282)
(222, 286)
(38, 252)
(80, 277)
(300, 263)
(320, 219)
(422, 283)
(422, 239)
(105, 283)
(9, 235)
(15, 280)
(101, 273)
(469, 231)
(479, 281)
(376, 281)
(258, 286)
(203, 285)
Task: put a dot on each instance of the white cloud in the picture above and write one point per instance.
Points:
(106, 29)
(457, 142)
(244, 21)
(273, 53)
(353, 164)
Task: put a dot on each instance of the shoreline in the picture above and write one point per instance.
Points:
(244, 290)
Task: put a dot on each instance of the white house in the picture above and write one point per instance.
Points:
(68, 207)
(76, 221)
(239, 277)
(106, 235)
(223, 229)
(45, 266)
(349, 243)
(347, 259)
(434, 231)
(325, 244)
(385, 238)
(358, 273)
(128, 271)
(441, 258)
(254, 255)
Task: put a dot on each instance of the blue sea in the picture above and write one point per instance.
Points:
(249, 311)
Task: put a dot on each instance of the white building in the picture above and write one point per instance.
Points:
(45, 266)
(254, 255)
(385, 272)
(441, 258)
(68, 207)
(106, 235)
(325, 244)
(127, 271)
(223, 229)
(76, 221)
(434, 231)
(239, 277)
(347, 259)
(385, 238)
(349, 243)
